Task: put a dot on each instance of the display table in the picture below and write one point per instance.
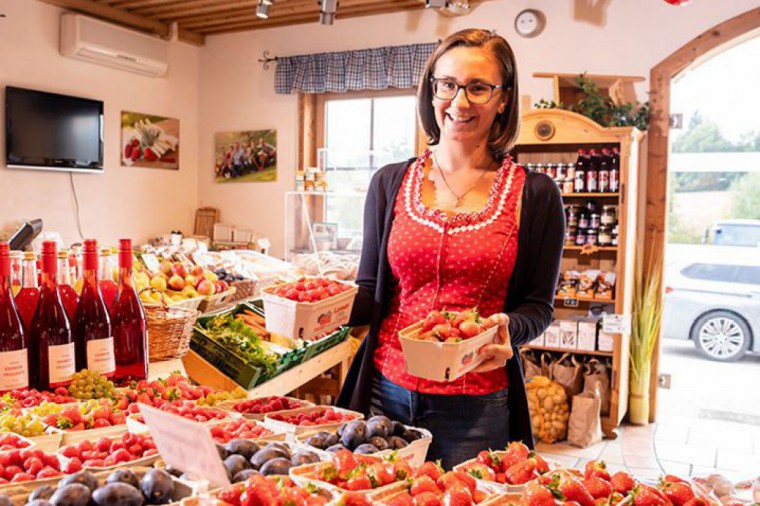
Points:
(164, 368)
(200, 371)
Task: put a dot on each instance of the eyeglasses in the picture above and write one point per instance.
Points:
(476, 92)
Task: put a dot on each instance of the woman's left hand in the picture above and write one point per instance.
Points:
(497, 354)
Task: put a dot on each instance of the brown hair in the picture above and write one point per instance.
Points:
(506, 126)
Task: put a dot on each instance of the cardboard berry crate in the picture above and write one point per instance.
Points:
(553, 466)
(306, 320)
(230, 406)
(308, 475)
(385, 497)
(442, 361)
(289, 428)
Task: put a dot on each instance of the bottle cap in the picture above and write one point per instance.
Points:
(125, 253)
(29, 256)
(90, 256)
(49, 253)
(63, 254)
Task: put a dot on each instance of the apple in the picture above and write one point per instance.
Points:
(197, 271)
(158, 282)
(205, 287)
(176, 283)
(210, 276)
(179, 270)
(165, 267)
(224, 285)
(191, 280)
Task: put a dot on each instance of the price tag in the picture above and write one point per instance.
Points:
(616, 324)
(185, 445)
(151, 262)
(570, 302)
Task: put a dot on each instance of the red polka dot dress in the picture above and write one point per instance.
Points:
(453, 262)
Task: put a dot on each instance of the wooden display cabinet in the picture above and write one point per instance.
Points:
(554, 136)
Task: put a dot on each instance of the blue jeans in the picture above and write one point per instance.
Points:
(462, 425)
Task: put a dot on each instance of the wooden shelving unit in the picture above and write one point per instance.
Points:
(554, 136)
(577, 352)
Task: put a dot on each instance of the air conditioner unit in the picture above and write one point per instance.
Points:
(106, 44)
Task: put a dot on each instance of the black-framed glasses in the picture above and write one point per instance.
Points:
(476, 91)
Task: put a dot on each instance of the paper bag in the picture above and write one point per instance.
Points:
(568, 373)
(546, 365)
(585, 424)
(596, 378)
(531, 365)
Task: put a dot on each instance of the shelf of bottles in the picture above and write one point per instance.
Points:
(66, 311)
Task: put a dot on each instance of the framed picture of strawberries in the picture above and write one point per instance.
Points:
(149, 141)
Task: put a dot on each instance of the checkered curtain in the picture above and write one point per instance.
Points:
(366, 69)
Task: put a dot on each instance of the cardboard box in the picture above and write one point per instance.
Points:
(551, 335)
(568, 334)
(223, 232)
(306, 320)
(605, 341)
(587, 335)
(442, 361)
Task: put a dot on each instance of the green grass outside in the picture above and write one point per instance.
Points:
(264, 176)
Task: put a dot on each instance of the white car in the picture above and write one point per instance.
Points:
(715, 303)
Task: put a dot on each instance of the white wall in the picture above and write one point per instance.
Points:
(236, 93)
(122, 202)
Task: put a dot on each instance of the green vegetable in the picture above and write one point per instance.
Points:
(236, 335)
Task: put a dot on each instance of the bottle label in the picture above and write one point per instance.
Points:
(61, 364)
(14, 370)
(100, 356)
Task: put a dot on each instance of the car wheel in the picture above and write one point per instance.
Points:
(721, 335)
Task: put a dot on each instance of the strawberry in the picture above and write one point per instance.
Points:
(433, 318)
(669, 478)
(430, 469)
(521, 472)
(535, 494)
(150, 155)
(622, 482)
(358, 483)
(597, 487)
(128, 151)
(597, 468)
(480, 471)
(467, 480)
(644, 495)
(427, 499)
(698, 501)
(135, 153)
(678, 493)
(573, 490)
(73, 466)
(469, 329)
(354, 499)
(457, 496)
(402, 499)
(421, 484)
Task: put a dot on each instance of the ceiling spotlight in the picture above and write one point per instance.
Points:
(436, 4)
(327, 11)
(262, 9)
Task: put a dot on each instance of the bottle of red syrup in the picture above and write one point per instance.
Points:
(128, 323)
(51, 346)
(29, 296)
(92, 324)
(14, 356)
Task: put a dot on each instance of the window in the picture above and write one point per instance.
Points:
(749, 275)
(359, 135)
(710, 272)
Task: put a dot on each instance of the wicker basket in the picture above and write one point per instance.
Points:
(169, 331)
(217, 301)
(244, 289)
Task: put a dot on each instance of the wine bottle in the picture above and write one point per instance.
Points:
(105, 279)
(29, 295)
(92, 325)
(14, 358)
(69, 296)
(51, 345)
(130, 328)
(17, 271)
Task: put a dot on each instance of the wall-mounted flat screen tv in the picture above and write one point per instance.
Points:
(48, 131)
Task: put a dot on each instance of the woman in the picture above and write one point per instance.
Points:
(461, 226)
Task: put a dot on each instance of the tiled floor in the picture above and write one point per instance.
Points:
(688, 447)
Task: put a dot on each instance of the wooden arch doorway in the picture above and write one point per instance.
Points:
(720, 37)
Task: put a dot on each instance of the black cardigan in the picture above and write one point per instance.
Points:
(530, 295)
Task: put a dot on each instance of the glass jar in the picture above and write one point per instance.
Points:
(568, 185)
(609, 215)
(605, 236)
(571, 213)
(583, 220)
(570, 171)
(615, 235)
(592, 237)
(580, 237)
(551, 171)
(591, 206)
(560, 171)
(570, 234)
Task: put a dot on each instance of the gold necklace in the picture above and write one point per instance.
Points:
(458, 197)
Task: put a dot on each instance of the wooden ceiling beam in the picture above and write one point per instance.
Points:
(139, 4)
(313, 17)
(125, 18)
(197, 7)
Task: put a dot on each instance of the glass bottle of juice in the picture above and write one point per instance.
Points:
(92, 325)
(69, 296)
(29, 295)
(50, 343)
(107, 285)
(128, 323)
(17, 271)
(75, 261)
(14, 359)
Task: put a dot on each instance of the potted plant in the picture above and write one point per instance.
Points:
(645, 328)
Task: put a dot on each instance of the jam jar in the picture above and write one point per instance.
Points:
(609, 215)
(605, 236)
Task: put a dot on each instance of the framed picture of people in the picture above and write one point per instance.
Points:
(245, 157)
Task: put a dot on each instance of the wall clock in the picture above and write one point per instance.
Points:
(529, 23)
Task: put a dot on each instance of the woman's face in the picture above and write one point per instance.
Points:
(458, 119)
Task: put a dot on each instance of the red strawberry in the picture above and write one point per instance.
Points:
(427, 499)
(135, 142)
(358, 483)
(573, 490)
(535, 494)
(669, 478)
(430, 469)
(135, 153)
(597, 487)
(678, 493)
(423, 484)
(128, 151)
(622, 482)
(521, 472)
(433, 318)
(354, 499)
(402, 499)
(150, 155)
(645, 495)
(467, 480)
(73, 466)
(480, 471)
(597, 468)
(457, 496)
(697, 501)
